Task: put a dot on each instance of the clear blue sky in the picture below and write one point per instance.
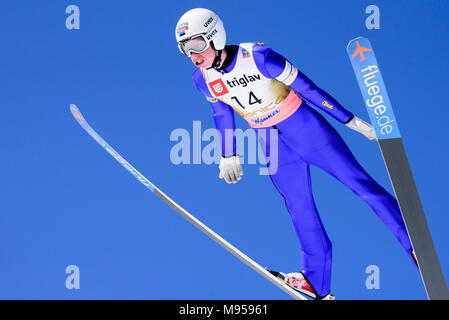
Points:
(65, 201)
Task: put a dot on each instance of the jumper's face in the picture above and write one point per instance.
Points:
(204, 59)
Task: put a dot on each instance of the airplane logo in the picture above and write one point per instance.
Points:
(360, 50)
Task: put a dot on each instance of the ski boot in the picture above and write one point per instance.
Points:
(414, 258)
(298, 281)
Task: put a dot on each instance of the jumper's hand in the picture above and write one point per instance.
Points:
(363, 127)
(230, 169)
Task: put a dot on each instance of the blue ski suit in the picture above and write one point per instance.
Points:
(304, 138)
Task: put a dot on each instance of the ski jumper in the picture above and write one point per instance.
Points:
(269, 92)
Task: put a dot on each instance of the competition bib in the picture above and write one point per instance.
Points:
(259, 100)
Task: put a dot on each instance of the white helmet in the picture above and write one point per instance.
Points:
(200, 23)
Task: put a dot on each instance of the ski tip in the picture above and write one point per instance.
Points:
(76, 113)
(73, 108)
(360, 38)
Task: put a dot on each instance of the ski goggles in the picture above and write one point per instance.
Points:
(197, 44)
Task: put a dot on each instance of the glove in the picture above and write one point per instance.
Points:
(363, 127)
(230, 169)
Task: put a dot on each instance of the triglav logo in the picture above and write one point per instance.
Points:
(218, 87)
(243, 80)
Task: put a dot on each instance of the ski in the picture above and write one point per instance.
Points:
(390, 142)
(198, 224)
